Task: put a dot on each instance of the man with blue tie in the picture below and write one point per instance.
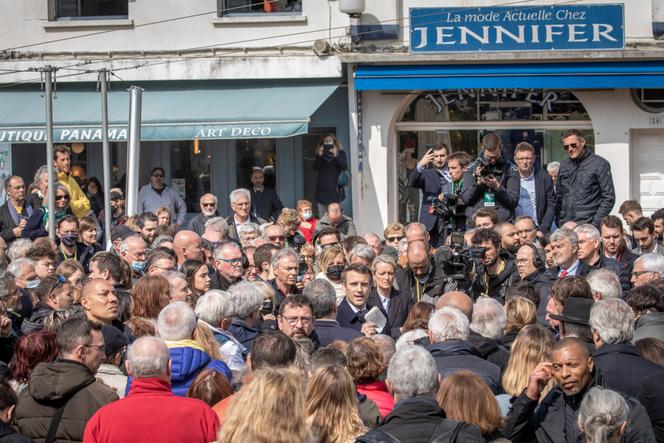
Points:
(357, 280)
(431, 181)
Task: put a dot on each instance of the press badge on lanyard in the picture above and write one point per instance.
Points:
(489, 199)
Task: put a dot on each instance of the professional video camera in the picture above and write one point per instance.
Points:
(458, 260)
(448, 208)
(490, 168)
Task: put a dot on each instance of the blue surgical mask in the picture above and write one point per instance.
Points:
(32, 284)
(307, 215)
(138, 266)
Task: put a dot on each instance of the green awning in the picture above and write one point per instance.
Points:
(170, 110)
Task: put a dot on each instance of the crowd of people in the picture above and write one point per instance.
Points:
(516, 309)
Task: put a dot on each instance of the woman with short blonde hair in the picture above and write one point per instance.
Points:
(333, 415)
(268, 409)
(532, 346)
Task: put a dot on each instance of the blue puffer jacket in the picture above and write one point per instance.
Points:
(188, 359)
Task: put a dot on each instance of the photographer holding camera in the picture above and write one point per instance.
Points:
(491, 182)
(448, 205)
(431, 181)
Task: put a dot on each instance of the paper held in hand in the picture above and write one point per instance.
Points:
(376, 317)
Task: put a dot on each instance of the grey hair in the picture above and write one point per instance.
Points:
(63, 188)
(385, 259)
(17, 266)
(605, 282)
(6, 278)
(386, 345)
(218, 224)
(409, 338)
(564, 234)
(176, 321)
(588, 229)
(18, 248)
(652, 262)
(371, 235)
(602, 414)
(613, 320)
(322, 296)
(412, 371)
(362, 251)
(220, 250)
(239, 192)
(213, 196)
(157, 242)
(124, 246)
(172, 276)
(38, 175)
(286, 252)
(449, 324)
(214, 306)
(246, 297)
(247, 228)
(488, 318)
(148, 357)
(553, 167)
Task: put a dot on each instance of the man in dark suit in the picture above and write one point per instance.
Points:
(356, 279)
(323, 300)
(264, 200)
(431, 181)
(565, 246)
(536, 198)
(15, 212)
(590, 252)
(614, 243)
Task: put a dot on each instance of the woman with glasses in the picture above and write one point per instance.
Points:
(73, 271)
(198, 278)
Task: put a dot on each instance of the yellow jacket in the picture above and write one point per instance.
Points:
(78, 202)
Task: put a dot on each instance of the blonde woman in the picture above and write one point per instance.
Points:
(519, 312)
(269, 409)
(290, 221)
(333, 415)
(532, 346)
(332, 263)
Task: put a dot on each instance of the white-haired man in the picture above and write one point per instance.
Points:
(241, 207)
(591, 254)
(208, 205)
(448, 333)
(133, 418)
(647, 268)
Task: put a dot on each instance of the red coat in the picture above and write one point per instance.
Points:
(309, 233)
(151, 413)
(377, 391)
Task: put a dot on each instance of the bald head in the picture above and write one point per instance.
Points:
(418, 258)
(416, 232)
(99, 301)
(148, 357)
(187, 246)
(458, 300)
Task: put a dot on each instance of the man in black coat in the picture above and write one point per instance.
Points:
(584, 190)
(555, 418)
(537, 198)
(431, 182)
(491, 182)
(495, 269)
(422, 279)
(412, 379)
(330, 162)
(15, 212)
(448, 333)
(323, 300)
(357, 280)
(264, 200)
(623, 369)
(651, 396)
(531, 270)
(614, 242)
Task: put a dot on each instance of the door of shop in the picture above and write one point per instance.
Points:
(647, 166)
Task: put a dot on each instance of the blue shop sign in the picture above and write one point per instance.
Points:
(518, 28)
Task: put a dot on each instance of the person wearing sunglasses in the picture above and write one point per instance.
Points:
(208, 205)
(54, 292)
(584, 191)
(229, 266)
(157, 194)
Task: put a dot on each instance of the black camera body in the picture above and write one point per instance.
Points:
(458, 260)
(302, 269)
(446, 209)
(490, 168)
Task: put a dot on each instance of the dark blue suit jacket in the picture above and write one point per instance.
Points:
(400, 306)
(429, 181)
(350, 319)
(545, 200)
(329, 330)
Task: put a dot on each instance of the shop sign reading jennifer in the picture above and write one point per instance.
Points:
(525, 28)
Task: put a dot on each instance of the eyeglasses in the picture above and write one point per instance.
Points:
(570, 146)
(232, 261)
(61, 197)
(100, 348)
(276, 237)
(293, 320)
(393, 239)
(638, 273)
(208, 204)
(523, 260)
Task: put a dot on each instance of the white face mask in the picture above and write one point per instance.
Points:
(307, 215)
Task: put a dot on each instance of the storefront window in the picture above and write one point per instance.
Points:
(190, 170)
(465, 116)
(256, 153)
